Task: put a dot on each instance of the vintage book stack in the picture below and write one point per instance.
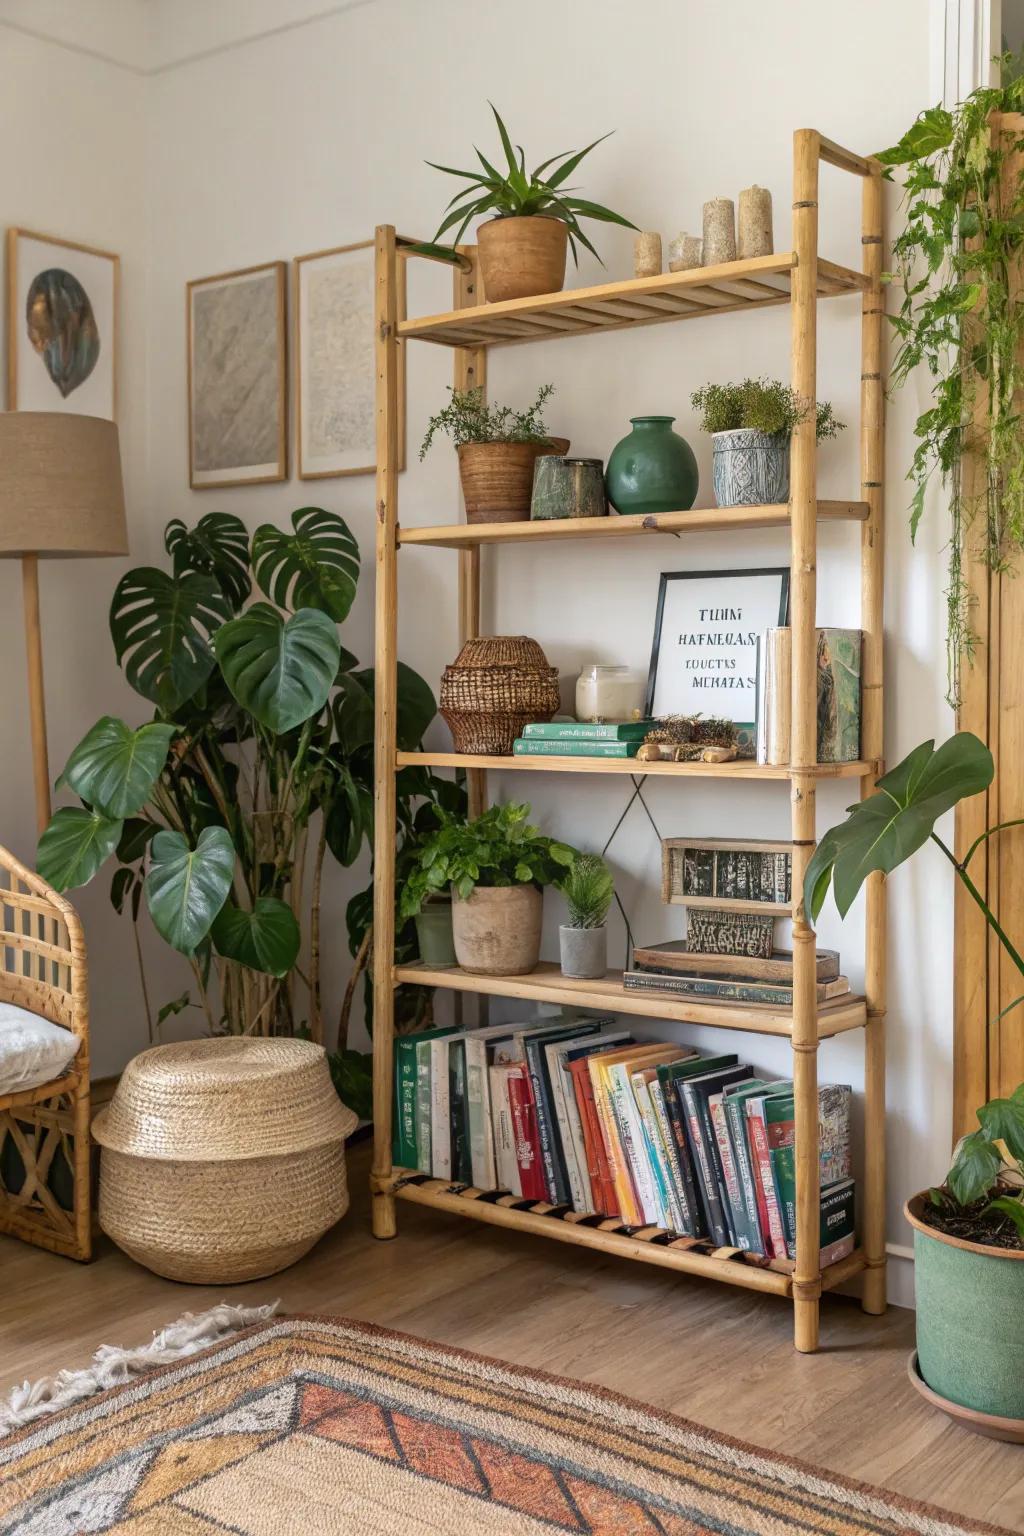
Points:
(575, 1113)
(582, 738)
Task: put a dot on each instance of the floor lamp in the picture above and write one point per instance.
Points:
(61, 496)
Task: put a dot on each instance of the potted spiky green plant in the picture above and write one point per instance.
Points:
(588, 889)
(534, 217)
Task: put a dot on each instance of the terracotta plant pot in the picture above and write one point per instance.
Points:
(497, 929)
(497, 478)
(522, 257)
(970, 1327)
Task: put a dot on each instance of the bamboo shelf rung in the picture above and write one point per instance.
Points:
(736, 772)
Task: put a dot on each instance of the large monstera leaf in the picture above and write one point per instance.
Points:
(114, 768)
(415, 704)
(884, 830)
(265, 939)
(74, 845)
(317, 566)
(280, 670)
(186, 887)
(161, 626)
(218, 546)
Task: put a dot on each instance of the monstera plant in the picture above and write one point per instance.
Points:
(219, 812)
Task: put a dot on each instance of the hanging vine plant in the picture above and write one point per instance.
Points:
(961, 315)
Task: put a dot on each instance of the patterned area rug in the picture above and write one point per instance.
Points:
(319, 1426)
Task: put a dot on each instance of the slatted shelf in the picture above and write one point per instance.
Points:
(736, 771)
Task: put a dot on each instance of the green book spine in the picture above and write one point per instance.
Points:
(423, 1107)
(530, 746)
(458, 1109)
(784, 1169)
(403, 1149)
(587, 730)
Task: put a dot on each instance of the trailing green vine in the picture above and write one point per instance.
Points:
(961, 315)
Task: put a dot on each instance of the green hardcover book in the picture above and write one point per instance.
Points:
(587, 730)
(403, 1146)
(539, 746)
(462, 1167)
(834, 1134)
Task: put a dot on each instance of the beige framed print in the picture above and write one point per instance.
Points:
(62, 325)
(237, 377)
(334, 362)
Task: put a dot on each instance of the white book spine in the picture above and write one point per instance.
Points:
(440, 1111)
(631, 1130)
(579, 1145)
(478, 1098)
(504, 1133)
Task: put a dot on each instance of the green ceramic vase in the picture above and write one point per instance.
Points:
(653, 469)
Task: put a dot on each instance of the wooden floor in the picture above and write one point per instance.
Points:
(708, 1352)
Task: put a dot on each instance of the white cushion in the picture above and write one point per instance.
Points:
(32, 1050)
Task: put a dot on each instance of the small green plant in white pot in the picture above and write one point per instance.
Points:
(588, 889)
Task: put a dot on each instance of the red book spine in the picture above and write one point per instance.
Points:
(524, 1120)
(609, 1197)
(581, 1083)
(764, 1183)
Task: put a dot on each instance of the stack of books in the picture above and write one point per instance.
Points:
(576, 1113)
(582, 738)
(675, 968)
(838, 670)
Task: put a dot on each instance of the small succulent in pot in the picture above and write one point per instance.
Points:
(588, 889)
(534, 216)
(497, 447)
(751, 424)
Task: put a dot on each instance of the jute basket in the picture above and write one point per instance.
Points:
(496, 685)
(223, 1160)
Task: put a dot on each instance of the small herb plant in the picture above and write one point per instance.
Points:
(467, 418)
(760, 405)
(499, 848)
(517, 193)
(588, 889)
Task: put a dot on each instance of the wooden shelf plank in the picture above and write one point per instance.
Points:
(547, 985)
(750, 284)
(738, 771)
(697, 520)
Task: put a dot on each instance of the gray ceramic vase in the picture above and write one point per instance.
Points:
(564, 487)
(751, 469)
(584, 952)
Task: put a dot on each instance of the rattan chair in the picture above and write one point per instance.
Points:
(45, 1193)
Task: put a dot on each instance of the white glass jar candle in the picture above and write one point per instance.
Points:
(609, 693)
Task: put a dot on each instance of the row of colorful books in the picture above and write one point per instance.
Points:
(575, 1112)
(674, 967)
(582, 738)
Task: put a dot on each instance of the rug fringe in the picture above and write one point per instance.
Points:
(112, 1366)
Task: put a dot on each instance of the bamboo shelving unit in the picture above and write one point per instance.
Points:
(799, 278)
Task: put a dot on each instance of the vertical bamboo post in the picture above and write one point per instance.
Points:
(385, 693)
(803, 591)
(470, 373)
(36, 694)
(872, 562)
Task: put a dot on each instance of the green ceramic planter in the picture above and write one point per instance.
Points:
(970, 1319)
(653, 469)
(434, 933)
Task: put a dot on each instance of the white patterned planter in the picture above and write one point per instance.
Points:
(751, 469)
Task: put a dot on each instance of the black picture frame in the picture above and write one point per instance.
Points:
(735, 574)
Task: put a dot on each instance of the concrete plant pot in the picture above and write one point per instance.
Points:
(497, 929)
(584, 952)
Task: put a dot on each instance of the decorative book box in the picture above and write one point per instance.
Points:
(730, 933)
(749, 876)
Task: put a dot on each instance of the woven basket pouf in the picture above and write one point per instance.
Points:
(223, 1160)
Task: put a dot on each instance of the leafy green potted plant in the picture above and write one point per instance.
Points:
(496, 867)
(968, 1235)
(751, 424)
(220, 811)
(588, 889)
(534, 216)
(497, 448)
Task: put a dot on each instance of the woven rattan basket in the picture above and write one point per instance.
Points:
(496, 685)
(223, 1160)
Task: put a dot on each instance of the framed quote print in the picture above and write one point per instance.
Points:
(237, 377)
(334, 362)
(62, 325)
(704, 653)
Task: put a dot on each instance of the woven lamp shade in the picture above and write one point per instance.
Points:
(60, 485)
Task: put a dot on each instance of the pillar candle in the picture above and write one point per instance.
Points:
(719, 231)
(755, 238)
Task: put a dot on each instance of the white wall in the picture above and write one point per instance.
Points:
(307, 137)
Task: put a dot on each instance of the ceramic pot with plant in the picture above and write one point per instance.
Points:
(751, 424)
(583, 940)
(496, 868)
(434, 931)
(534, 217)
(968, 1235)
(652, 469)
(498, 448)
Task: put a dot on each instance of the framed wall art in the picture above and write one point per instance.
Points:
(62, 325)
(334, 362)
(704, 653)
(237, 377)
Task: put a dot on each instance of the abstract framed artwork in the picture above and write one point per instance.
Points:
(334, 362)
(238, 377)
(62, 325)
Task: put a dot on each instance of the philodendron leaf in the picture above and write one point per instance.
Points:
(1010, 1206)
(317, 566)
(74, 845)
(884, 830)
(976, 1166)
(114, 768)
(280, 671)
(186, 887)
(1003, 1120)
(161, 627)
(217, 545)
(265, 939)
